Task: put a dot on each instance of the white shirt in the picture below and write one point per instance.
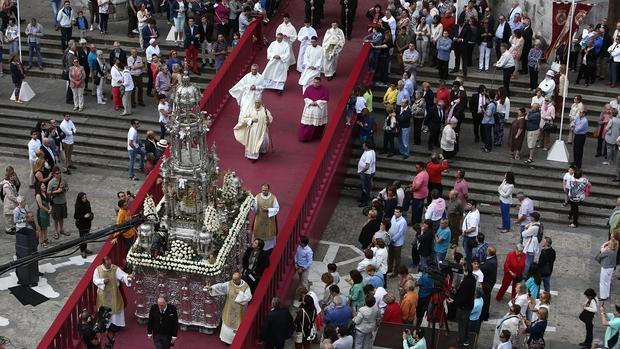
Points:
(368, 157)
(506, 60)
(33, 146)
(135, 65)
(614, 51)
(478, 275)
(539, 100)
(68, 127)
(150, 51)
(127, 80)
(165, 107)
(527, 207)
(472, 219)
(117, 76)
(132, 135)
(392, 23)
(381, 259)
(530, 239)
(566, 180)
(505, 345)
(514, 12)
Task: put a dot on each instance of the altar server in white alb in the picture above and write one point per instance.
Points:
(107, 277)
(238, 295)
(333, 42)
(289, 33)
(303, 36)
(248, 90)
(253, 131)
(276, 71)
(313, 61)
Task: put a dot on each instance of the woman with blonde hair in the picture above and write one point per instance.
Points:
(41, 173)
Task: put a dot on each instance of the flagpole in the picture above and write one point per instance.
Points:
(19, 32)
(558, 151)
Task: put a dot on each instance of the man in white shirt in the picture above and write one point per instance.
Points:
(128, 86)
(614, 60)
(470, 227)
(506, 63)
(33, 146)
(366, 170)
(547, 86)
(152, 49)
(391, 22)
(164, 114)
(134, 148)
(68, 127)
(530, 241)
(136, 66)
(65, 18)
(514, 11)
(525, 209)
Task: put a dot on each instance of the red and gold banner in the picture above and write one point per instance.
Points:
(560, 27)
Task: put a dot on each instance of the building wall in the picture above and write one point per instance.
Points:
(540, 11)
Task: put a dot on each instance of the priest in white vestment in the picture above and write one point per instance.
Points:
(107, 277)
(238, 295)
(253, 131)
(248, 90)
(314, 116)
(303, 36)
(313, 60)
(290, 35)
(333, 42)
(276, 70)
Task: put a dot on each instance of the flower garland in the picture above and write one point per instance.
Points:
(179, 258)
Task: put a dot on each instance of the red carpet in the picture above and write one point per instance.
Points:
(283, 169)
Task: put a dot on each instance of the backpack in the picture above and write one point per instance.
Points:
(2, 190)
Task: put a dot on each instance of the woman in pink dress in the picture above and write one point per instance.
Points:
(516, 46)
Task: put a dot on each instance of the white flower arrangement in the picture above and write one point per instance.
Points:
(211, 222)
(180, 256)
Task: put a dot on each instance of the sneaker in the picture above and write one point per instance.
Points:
(135, 31)
(605, 162)
(91, 28)
(572, 225)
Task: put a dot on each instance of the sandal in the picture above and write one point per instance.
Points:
(56, 236)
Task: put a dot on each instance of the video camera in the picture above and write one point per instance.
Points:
(102, 319)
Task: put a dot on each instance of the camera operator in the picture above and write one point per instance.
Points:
(86, 329)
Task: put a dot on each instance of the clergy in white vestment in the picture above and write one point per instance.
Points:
(276, 70)
(107, 277)
(253, 131)
(290, 35)
(314, 116)
(333, 42)
(303, 36)
(238, 295)
(313, 60)
(248, 90)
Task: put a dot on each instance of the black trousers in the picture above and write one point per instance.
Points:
(103, 17)
(574, 211)
(533, 77)
(65, 36)
(442, 66)
(578, 143)
(388, 142)
(524, 54)
(477, 125)
(506, 74)
(346, 21)
(469, 52)
(587, 72)
(132, 22)
(161, 341)
(458, 53)
(433, 135)
(83, 232)
(417, 130)
(421, 310)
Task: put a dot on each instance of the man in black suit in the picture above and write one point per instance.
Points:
(528, 35)
(254, 262)
(502, 35)
(149, 32)
(489, 270)
(477, 103)
(435, 117)
(117, 53)
(460, 35)
(206, 35)
(50, 159)
(277, 326)
(192, 44)
(163, 323)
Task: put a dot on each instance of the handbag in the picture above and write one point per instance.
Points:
(313, 333)
(550, 127)
(586, 316)
(536, 344)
